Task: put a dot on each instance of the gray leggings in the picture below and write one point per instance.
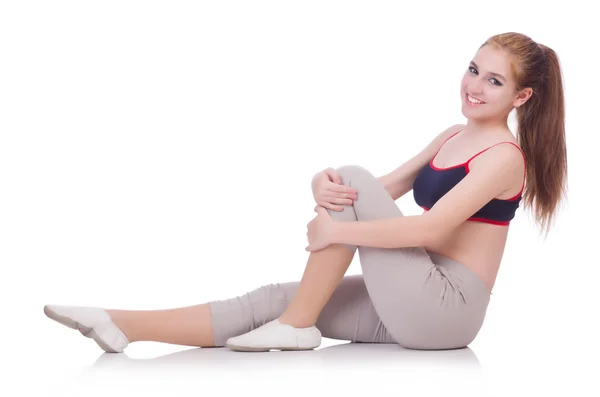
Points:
(409, 296)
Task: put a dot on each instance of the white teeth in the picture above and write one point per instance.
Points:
(473, 100)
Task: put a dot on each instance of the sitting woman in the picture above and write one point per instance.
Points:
(426, 280)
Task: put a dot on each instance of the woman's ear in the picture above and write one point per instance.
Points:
(522, 97)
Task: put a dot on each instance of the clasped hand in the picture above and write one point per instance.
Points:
(320, 230)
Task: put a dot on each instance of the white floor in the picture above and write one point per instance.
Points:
(61, 362)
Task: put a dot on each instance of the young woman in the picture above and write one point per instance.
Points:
(427, 279)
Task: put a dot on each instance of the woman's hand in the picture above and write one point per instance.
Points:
(320, 230)
(329, 191)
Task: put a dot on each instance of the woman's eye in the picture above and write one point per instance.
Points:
(495, 81)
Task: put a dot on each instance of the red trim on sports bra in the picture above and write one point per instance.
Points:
(436, 153)
(485, 220)
(466, 164)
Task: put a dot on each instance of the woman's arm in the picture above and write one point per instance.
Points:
(404, 231)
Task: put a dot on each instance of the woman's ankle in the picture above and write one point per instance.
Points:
(123, 321)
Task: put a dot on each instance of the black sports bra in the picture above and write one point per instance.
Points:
(432, 183)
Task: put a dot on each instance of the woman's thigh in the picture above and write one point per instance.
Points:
(421, 304)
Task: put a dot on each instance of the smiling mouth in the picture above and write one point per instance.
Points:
(472, 100)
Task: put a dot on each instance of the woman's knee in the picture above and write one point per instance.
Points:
(352, 173)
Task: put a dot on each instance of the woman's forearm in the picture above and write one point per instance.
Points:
(398, 232)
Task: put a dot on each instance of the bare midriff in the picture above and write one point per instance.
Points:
(477, 245)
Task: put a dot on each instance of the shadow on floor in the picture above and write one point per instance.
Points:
(343, 356)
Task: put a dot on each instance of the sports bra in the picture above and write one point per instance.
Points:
(432, 183)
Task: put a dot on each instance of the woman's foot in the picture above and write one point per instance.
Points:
(278, 336)
(92, 322)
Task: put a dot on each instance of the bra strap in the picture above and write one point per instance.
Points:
(512, 143)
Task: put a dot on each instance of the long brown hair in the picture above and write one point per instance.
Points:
(541, 123)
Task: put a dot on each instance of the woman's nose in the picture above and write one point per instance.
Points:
(475, 87)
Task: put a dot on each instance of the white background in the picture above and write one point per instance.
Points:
(159, 154)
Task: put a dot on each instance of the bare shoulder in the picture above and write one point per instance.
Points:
(506, 152)
(436, 143)
(448, 132)
(506, 160)
(508, 148)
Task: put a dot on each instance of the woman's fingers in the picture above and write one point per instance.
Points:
(332, 207)
(338, 200)
(334, 187)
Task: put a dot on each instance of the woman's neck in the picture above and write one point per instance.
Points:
(485, 128)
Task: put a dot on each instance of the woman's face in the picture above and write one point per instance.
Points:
(488, 78)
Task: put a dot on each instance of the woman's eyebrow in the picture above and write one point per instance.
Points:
(492, 73)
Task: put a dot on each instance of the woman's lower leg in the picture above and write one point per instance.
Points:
(190, 326)
(324, 270)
